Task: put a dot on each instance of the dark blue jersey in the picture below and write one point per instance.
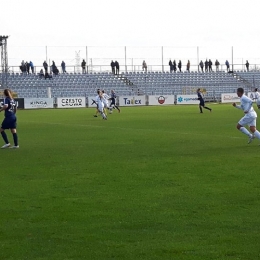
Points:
(113, 95)
(10, 110)
(200, 97)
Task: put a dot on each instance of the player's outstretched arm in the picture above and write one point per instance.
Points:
(236, 106)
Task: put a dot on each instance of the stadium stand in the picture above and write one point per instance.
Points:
(156, 83)
(250, 78)
(66, 85)
(131, 83)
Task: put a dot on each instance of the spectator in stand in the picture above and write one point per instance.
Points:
(201, 65)
(41, 74)
(217, 65)
(53, 67)
(188, 66)
(206, 65)
(117, 67)
(112, 64)
(63, 67)
(32, 67)
(171, 66)
(144, 66)
(179, 65)
(27, 64)
(23, 67)
(45, 66)
(83, 66)
(247, 65)
(210, 65)
(55, 71)
(227, 64)
(174, 66)
(47, 75)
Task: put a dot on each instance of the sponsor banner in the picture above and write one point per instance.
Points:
(33, 103)
(229, 98)
(187, 100)
(90, 101)
(19, 102)
(73, 102)
(131, 101)
(161, 100)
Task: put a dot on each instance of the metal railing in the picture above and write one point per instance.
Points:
(136, 68)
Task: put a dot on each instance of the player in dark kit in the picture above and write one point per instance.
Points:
(113, 101)
(202, 102)
(9, 121)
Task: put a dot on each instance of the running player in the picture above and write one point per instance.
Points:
(100, 102)
(202, 102)
(246, 104)
(96, 103)
(106, 98)
(9, 121)
(257, 98)
(113, 101)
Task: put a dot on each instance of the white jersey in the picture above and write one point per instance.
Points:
(257, 95)
(100, 103)
(257, 98)
(246, 104)
(105, 97)
(96, 98)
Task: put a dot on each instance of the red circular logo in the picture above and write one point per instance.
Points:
(161, 100)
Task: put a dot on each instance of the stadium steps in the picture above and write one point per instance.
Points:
(124, 79)
(131, 86)
(243, 80)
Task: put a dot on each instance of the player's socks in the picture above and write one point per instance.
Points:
(104, 116)
(257, 134)
(5, 137)
(15, 139)
(245, 131)
(207, 108)
(200, 109)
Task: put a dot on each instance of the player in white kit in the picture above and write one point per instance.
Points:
(100, 105)
(106, 97)
(249, 117)
(257, 98)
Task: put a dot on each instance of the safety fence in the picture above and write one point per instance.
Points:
(123, 101)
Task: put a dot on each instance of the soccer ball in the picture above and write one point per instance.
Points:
(110, 111)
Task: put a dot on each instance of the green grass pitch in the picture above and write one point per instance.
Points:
(148, 183)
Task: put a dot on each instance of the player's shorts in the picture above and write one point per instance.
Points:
(247, 120)
(101, 107)
(106, 104)
(202, 103)
(113, 102)
(9, 123)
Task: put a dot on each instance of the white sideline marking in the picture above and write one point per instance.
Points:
(128, 128)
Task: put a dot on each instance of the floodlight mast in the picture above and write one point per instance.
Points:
(4, 61)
